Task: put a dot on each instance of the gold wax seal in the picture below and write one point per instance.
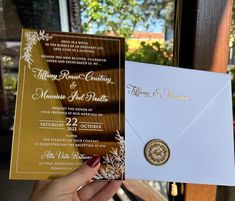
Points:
(157, 152)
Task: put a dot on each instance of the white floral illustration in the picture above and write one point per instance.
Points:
(32, 37)
(115, 162)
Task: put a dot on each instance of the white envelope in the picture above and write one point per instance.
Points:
(191, 111)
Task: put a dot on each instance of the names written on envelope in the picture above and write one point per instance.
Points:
(161, 93)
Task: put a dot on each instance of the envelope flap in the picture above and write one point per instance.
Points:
(181, 95)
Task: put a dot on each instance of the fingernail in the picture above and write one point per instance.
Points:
(93, 162)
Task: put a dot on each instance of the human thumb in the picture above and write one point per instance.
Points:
(80, 176)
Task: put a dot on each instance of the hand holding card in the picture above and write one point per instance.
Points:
(70, 105)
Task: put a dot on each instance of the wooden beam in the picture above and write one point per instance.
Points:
(197, 192)
(212, 35)
(202, 33)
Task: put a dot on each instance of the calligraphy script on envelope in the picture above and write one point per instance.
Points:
(191, 112)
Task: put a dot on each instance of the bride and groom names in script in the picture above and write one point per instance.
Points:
(65, 74)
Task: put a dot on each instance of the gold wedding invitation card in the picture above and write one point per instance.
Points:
(70, 105)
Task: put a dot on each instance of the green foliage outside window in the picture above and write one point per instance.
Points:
(121, 18)
(152, 53)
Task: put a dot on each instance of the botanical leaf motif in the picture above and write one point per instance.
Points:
(115, 162)
(32, 37)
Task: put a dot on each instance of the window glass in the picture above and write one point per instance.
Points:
(14, 15)
(146, 25)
